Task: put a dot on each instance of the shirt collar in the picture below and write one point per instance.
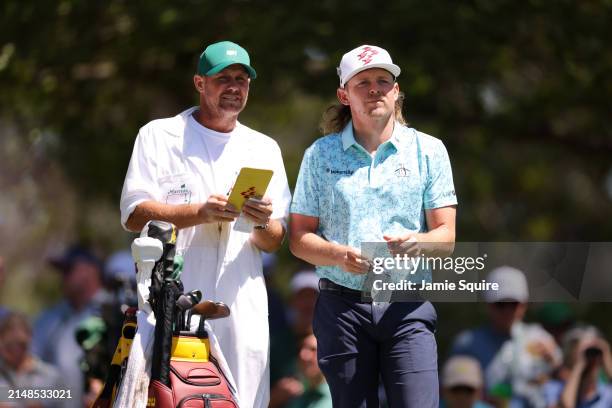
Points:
(348, 137)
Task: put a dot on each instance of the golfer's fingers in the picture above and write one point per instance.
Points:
(408, 246)
(398, 238)
(356, 264)
(354, 269)
(356, 254)
(392, 239)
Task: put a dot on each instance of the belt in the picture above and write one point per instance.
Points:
(327, 285)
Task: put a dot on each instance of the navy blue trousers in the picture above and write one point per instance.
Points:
(358, 342)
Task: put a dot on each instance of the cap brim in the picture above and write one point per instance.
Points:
(220, 67)
(392, 68)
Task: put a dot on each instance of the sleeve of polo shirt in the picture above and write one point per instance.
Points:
(306, 194)
(140, 181)
(439, 190)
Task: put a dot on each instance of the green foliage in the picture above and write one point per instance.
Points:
(518, 91)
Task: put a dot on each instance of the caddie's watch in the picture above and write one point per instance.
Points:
(262, 227)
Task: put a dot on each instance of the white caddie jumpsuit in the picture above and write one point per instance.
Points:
(172, 164)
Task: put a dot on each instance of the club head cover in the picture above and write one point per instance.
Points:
(147, 249)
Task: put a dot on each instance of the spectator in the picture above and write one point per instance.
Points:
(556, 318)
(585, 354)
(3, 310)
(315, 390)
(54, 331)
(284, 358)
(277, 319)
(516, 357)
(98, 335)
(120, 277)
(462, 383)
(18, 367)
(120, 292)
(304, 289)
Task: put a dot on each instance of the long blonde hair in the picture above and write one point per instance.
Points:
(337, 116)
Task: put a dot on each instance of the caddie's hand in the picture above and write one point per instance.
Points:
(258, 211)
(217, 209)
(403, 244)
(354, 262)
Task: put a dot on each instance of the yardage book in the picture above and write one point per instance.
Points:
(250, 183)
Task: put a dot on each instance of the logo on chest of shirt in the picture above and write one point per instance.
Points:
(179, 195)
(401, 171)
(341, 172)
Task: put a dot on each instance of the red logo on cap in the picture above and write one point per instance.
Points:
(366, 55)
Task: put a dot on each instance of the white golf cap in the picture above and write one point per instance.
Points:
(305, 279)
(365, 57)
(461, 370)
(512, 285)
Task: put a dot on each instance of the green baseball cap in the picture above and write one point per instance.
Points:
(218, 56)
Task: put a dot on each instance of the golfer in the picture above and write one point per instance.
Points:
(371, 178)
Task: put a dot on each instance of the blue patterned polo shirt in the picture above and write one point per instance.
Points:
(358, 197)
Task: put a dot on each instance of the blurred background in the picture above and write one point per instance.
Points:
(519, 92)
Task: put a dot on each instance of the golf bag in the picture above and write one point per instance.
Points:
(183, 371)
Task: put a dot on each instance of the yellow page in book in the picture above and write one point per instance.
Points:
(249, 183)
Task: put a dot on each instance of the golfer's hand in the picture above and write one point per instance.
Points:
(403, 244)
(258, 211)
(354, 262)
(217, 209)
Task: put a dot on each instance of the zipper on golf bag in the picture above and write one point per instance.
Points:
(209, 400)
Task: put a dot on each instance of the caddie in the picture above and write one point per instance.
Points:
(181, 171)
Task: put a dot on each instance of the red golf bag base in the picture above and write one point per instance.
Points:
(161, 396)
(193, 384)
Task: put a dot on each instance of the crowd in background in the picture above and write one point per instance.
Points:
(506, 362)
